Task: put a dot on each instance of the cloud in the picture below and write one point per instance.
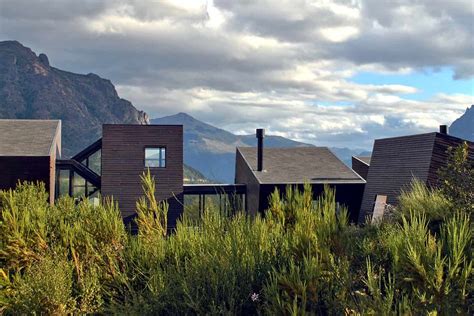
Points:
(286, 65)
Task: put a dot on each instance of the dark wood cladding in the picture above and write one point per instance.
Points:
(396, 161)
(27, 168)
(123, 161)
(347, 194)
(439, 157)
(244, 175)
(360, 167)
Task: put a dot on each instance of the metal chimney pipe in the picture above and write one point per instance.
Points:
(260, 135)
(443, 129)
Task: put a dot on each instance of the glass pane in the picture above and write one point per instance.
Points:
(63, 182)
(95, 162)
(155, 157)
(78, 191)
(77, 180)
(152, 163)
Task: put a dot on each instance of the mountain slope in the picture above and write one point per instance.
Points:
(31, 88)
(463, 127)
(211, 150)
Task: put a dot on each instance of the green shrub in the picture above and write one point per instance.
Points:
(302, 257)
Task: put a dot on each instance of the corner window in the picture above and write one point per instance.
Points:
(155, 157)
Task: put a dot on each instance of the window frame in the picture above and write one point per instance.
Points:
(162, 150)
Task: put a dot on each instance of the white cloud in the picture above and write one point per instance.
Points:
(283, 65)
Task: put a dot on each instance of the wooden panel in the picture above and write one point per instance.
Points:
(14, 169)
(440, 155)
(394, 163)
(123, 161)
(360, 167)
(243, 175)
(347, 194)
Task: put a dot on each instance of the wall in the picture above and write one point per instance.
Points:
(27, 168)
(440, 156)
(347, 194)
(243, 175)
(360, 167)
(123, 155)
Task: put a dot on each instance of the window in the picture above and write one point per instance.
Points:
(155, 157)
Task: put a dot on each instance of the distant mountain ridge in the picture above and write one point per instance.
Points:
(31, 88)
(463, 127)
(211, 150)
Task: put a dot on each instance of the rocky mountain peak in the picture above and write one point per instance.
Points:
(463, 127)
(31, 88)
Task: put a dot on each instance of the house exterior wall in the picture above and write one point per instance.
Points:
(347, 194)
(360, 167)
(394, 163)
(439, 157)
(123, 162)
(243, 175)
(27, 168)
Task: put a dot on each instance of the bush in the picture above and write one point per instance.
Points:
(302, 257)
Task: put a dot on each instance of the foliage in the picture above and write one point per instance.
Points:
(302, 257)
(457, 178)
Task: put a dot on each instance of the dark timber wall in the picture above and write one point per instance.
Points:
(396, 161)
(347, 194)
(243, 175)
(360, 167)
(27, 168)
(123, 161)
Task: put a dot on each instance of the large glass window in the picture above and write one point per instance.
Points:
(63, 185)
(93, 162)
(155, 157)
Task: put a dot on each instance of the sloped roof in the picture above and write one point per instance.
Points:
(299, 165)
(28, 137)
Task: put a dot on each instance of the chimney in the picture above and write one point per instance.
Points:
(443, 129)
(260, 136)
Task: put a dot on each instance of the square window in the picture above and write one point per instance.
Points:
(155, 157)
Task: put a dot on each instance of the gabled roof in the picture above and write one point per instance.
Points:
(299, 165)
(29, 137)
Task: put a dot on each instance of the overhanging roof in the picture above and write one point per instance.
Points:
(29, 137)
(299, 165)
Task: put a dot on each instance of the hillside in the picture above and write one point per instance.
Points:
(31, 88)
(211, 150)
(463, 127)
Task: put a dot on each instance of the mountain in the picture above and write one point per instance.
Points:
(463, 127)
(31, 88)
(211, 150)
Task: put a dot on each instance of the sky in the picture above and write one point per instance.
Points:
(331, 73)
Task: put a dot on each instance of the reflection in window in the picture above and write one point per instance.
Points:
(93, 162)
(78, 186)
(63, 185)
(155, 157)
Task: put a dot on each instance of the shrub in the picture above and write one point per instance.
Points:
(302, 257)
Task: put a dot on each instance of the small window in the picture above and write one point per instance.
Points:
(155, 157)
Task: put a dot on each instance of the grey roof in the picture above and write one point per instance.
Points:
(364, 159)
(299, 165)
(28, 137)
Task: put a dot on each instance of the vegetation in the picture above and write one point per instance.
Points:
(303, 257)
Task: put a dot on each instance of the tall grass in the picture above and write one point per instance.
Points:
(302, 257)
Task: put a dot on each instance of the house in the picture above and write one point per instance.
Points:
(396, 161)
(28, 152)
(264, 169)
